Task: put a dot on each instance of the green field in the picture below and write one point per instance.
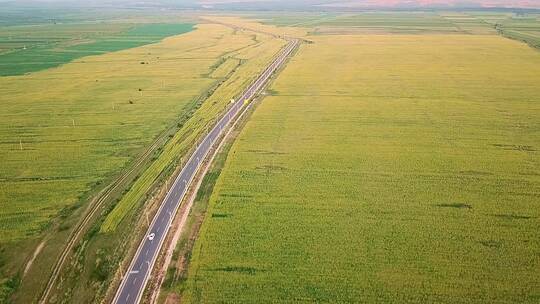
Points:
(31, 48)
(520, 26)
(389, 22)
(407, 172)
(525, 29)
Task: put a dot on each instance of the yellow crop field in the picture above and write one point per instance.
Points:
(244, 56)
(92, 116)
(384, 169)
(68, 131)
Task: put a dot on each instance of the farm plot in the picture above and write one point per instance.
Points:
(524, 27)
(407, 172)
(370, 22)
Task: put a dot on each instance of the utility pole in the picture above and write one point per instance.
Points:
(20, 143)
(73, 121)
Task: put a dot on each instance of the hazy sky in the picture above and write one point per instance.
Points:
(328, 3)
(439, 3)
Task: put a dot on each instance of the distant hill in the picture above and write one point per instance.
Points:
(373, 4)
(439, 3)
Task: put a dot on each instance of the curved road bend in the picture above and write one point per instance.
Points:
(136, 278)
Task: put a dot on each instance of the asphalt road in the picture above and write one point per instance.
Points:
(134, 281)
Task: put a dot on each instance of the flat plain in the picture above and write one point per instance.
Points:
(520, 26)
(395, 160)
(408, 171)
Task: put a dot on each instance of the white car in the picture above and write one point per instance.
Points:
(151, 236)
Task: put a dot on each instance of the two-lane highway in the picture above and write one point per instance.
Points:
(134, 281)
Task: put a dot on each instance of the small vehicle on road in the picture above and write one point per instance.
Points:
(151, 236)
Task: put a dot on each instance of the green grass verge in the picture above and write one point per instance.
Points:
(177, 272)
